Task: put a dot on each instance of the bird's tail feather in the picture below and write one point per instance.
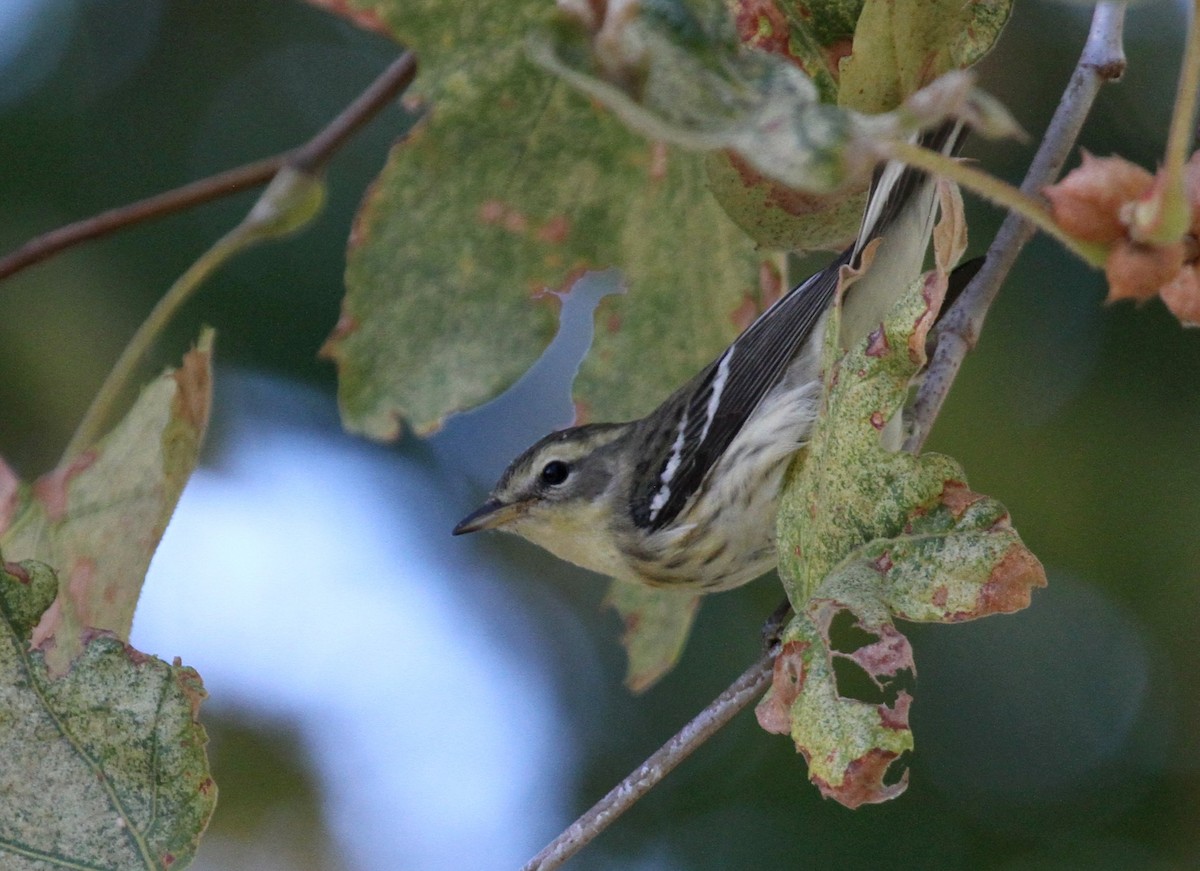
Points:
(900, 211)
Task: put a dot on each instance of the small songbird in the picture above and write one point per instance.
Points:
(686, 497)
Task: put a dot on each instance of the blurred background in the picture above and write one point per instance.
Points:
(385, 696)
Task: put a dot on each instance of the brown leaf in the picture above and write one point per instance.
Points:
(864, 781)
(1182, 296)
(1089, 201)
(1137, 271)
(774, 712)
(1011, 584)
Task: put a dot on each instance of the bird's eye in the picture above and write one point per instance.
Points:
(555, 472)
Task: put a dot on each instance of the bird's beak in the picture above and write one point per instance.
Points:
(489, 515)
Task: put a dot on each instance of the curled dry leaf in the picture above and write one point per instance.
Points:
(1115, 203)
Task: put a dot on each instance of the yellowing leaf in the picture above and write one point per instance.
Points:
(900, 46)
(657, 624)
(98, 519)
(104, 767)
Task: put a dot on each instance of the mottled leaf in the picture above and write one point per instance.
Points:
(869, 63)
(104, 767)
(676, 71)
(657, 624)
(513, 184)
(875, 534)
(849, 743)
(98, 519)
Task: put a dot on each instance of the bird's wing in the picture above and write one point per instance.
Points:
(707, 414)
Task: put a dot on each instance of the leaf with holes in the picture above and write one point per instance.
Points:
(104, 767)
(850, 743)
(867, 535)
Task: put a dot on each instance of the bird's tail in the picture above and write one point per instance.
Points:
(900, 212)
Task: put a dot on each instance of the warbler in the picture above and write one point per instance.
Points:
(686, 497)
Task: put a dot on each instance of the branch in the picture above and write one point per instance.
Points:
(309, 157)
(292, 199)
(196, 193)
(1103, 60)
(647, 775)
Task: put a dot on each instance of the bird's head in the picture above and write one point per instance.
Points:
(561, 494)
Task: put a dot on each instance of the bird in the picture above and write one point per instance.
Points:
(686, 496)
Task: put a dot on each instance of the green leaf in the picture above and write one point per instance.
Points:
(873, 534)
(512, 185)
(98, 519)
(848, 743)
(869, 63)
(657, 624)
(104, 767)
(675, 70)
(900, 47)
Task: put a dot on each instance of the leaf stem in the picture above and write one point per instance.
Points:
(196, 193)
(657, 766)
(98, 413)
(1165, 218)
(1002, 194)
(289, 202)
(1102, 60)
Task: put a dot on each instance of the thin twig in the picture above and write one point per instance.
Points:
(1103, 60)
(314, 154)
(309, 157)
(300, 164)
(196, 193)
(606, 811)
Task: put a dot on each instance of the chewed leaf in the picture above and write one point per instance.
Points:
(104, 767)
(879, 534)
(850, 744)
(98, 519)
(657, 624)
